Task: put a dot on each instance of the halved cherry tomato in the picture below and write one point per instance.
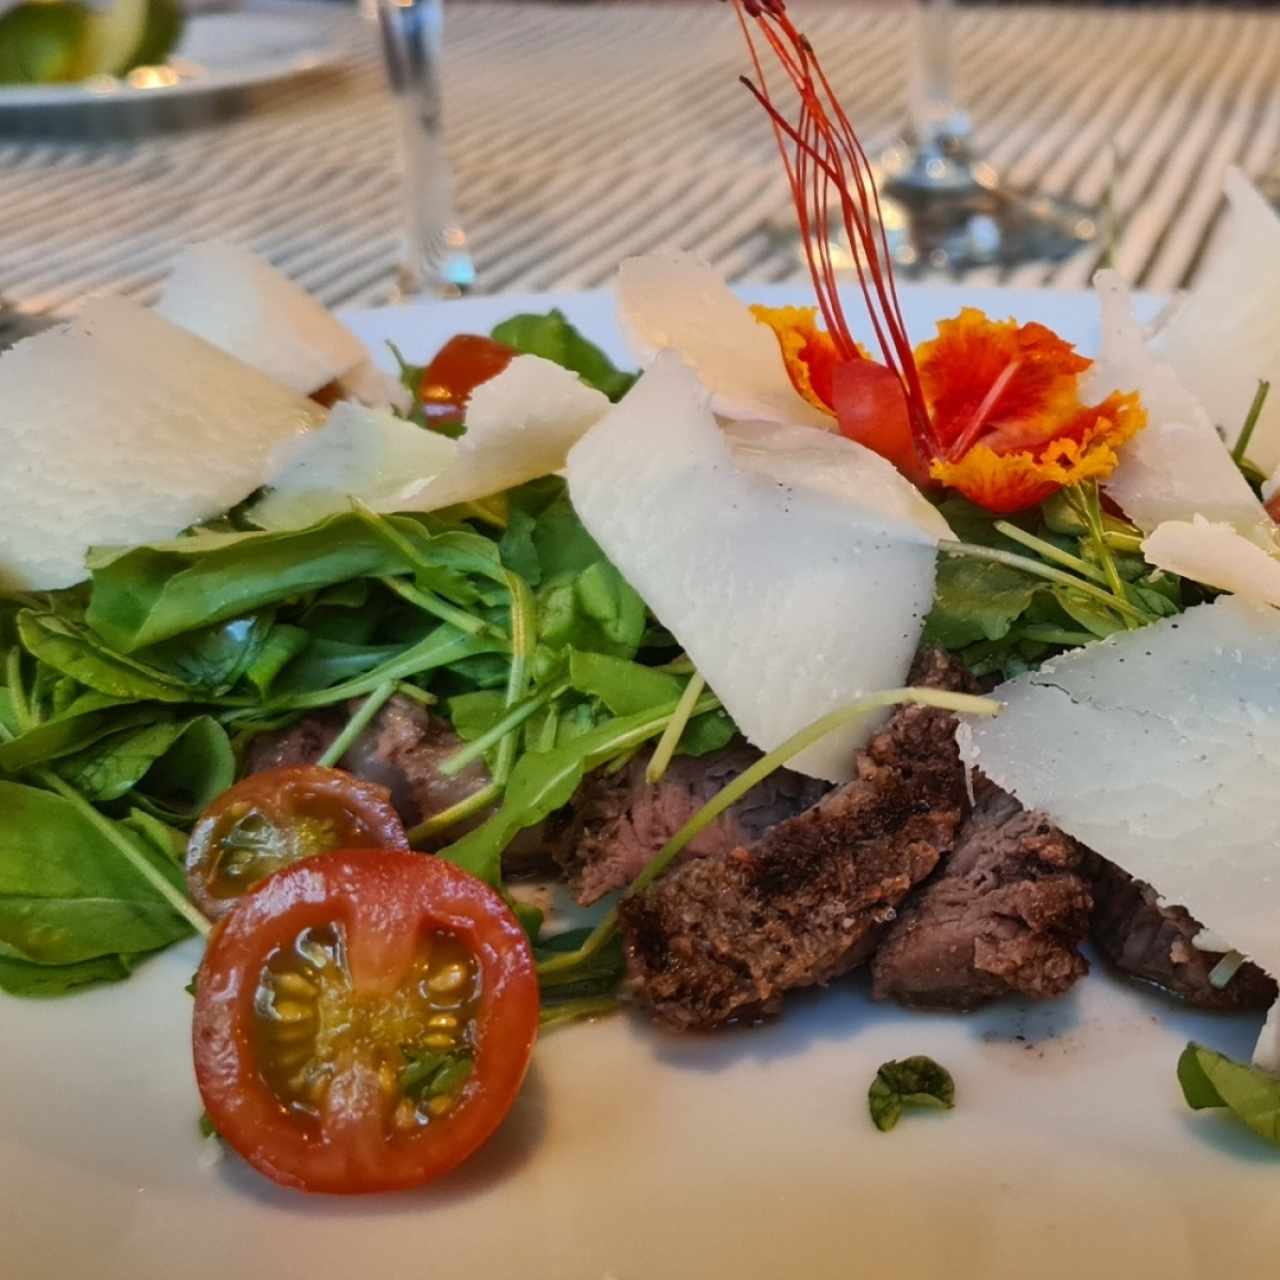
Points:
(276, 817)
(364, 1021)
(458, 368)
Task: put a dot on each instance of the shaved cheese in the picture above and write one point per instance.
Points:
(675, 301)
(1226, 334)
(1178, 467)
(233, 299)
(795, 569)
(1216, 555)
(1266, 1053)
(120, 428)
(520, 425)
(359, 452)
(1158, 749)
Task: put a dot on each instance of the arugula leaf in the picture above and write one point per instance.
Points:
(976, 600)
(630, 687)
(75, 653)
(90, 717)
(598, 973)
(595, 609)
(543, 782)
(553, 338)
(114, 765)
(66, 896)
(184, 780)
(472, 714)
(328, 662)
(443, 647)
(282, 644)
(1211, 1079)
(213, 659)
(21, 978)
(624, 687)
(912, 1082)
(144, 595)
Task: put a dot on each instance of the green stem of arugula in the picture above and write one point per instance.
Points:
(670, 740)
(1048, 551)
(567, 1011)
(1036, 569)
(423, 697)
(476, 748)
(17, 690)
(550, 730)
(735, 790)
(431, 603)
(454, 814)
(1046, 634)
(1091, 507)
(128, 850)
(524, 635)
(1130, 543)
(1250, 422)
(620, 762)
(357, 724)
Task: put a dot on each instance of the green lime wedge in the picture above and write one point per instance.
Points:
(130, 33)
(160, 34)
(42, 42)
(112, 36)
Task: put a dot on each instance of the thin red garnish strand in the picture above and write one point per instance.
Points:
(826, 158)
(970, 434)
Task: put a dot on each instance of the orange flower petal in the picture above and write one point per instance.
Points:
(961, 366)
(808, 352)
(1086, 450)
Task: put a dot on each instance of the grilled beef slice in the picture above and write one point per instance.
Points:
(1152, 941)
(1003, 917)
(723, 937)
(401, 750)
(618, 821)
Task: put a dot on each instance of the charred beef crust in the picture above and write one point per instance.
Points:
(618, 821)
(1151, 941)
(1003, 917)
(722, 938)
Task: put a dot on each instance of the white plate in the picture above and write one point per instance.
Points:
(641, 1156)
(218, 51)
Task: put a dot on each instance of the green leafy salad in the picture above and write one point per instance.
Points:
(129, 704)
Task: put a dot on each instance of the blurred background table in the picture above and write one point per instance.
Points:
(584, 133)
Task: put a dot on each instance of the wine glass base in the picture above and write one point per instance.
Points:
(946, 212)
(450, 274)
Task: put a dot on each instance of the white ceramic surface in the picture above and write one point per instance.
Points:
(635, 1155)
(219, 51)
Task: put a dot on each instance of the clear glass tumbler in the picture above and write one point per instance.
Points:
(434, 259)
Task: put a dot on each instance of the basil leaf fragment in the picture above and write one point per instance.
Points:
(1210, 1080)
(912, 1082)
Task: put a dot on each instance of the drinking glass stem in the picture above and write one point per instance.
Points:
(434, 258)
(933, 110)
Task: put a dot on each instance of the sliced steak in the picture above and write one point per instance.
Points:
(1153, 941)
(1004, 916)
(402, 750)
(723, 937)
(618, 821)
